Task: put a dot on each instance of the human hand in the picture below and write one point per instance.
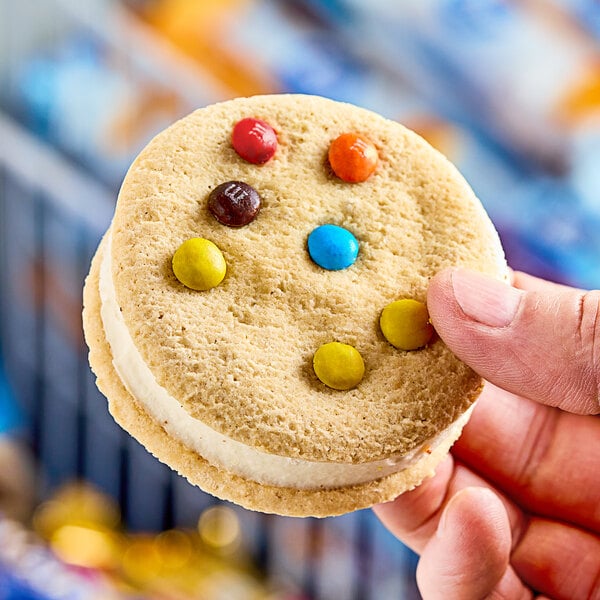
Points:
(514, 512)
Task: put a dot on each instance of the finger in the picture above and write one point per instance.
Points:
(559, 560)
(527, 282)
(463, 477)
(510, 587)
(413, 517)
(542, 457)
(542, 345)
(468, 555)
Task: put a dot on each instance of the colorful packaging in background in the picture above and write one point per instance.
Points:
(512, 87)
(508, 90)
(30, 571)
(11, 419)
(78, 550)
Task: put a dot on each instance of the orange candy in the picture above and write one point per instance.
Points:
(353, 157)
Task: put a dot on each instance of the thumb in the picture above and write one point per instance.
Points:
(468, 556)
(542, 343)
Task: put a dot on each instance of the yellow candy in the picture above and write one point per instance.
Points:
(338, 366)
(405, 324)
(199, 264)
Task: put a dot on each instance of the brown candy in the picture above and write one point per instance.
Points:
(234, 203)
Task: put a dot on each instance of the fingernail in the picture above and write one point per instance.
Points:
(485, 299)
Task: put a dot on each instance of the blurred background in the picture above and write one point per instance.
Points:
(508, 90)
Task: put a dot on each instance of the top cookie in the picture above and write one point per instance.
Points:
(239, 356)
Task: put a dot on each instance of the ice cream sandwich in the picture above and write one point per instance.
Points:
(256, 312)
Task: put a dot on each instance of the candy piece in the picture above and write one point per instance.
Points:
(234, 203)
(332, 247)
(353, 157)
(254, 140)
(199, 264)
(405, 324)
(339, 366)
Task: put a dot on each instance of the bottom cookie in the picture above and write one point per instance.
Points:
(222, 483)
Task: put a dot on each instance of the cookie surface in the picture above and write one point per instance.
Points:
(237, 358)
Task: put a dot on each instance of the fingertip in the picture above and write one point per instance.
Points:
(440, 297)
(471, 297)
(481, 509)
(440, 285)
(469, 554)
(455, 328)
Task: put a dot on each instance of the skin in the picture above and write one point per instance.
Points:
(514, 512)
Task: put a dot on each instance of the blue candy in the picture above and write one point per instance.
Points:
(332, 247)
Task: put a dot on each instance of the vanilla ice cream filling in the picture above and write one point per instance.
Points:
(216, 448)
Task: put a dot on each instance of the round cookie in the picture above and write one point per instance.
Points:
(219, 383)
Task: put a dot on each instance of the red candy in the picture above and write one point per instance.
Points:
(254, 140)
